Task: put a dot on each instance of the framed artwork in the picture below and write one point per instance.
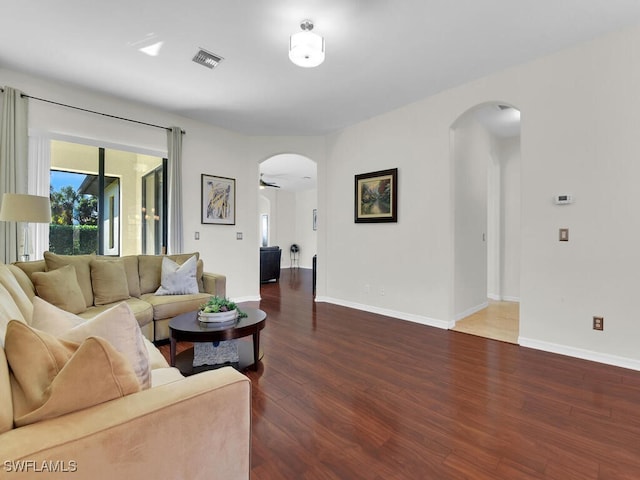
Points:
(376, 197)
(218, 200)
(315, 219)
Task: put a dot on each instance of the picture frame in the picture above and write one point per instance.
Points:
(376, 197)
(218, 200)
(315, 219)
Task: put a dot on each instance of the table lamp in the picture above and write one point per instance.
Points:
(17, 207)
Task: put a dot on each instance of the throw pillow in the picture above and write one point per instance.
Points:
(178, 279)
(52, 377)
(61, 288)
(117, 325)
(51, 319)
(81, 264)
(109, 281)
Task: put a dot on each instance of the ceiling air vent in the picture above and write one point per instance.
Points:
(208, 59)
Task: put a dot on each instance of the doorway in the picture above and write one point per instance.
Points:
(486, 195)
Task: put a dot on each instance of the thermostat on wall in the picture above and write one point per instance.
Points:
(563, 199)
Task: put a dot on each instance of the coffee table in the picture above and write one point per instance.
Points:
(187, 327)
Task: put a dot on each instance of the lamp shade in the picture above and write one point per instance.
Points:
(306, 49)
(17, 207)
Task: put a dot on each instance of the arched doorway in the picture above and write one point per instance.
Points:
(486, 191)
(288, 199)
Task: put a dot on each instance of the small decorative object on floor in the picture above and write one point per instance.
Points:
(219, 310)
(215, 353)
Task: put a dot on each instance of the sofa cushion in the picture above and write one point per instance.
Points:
(60, 287)
(156, 359)
(50, 377)
(131, 269)
(8, 311)
(150, 268)
(141, 309)
(168, 306)
(83, 272)
(109, 281)
(29, 268)
(162, 376)
(21, 299)
(117, 325)
(6, 403)
(178, 279)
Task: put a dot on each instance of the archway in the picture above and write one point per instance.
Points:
(486, 191)
(288, 190)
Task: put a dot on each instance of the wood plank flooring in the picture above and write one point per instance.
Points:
(499, 321)
(344, 394)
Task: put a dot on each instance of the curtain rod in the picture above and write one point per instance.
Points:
(24, 95)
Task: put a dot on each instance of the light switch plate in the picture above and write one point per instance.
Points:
(238, 235)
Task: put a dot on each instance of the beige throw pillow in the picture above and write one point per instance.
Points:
(61, 288)
(109, 281)
(81, 264)
(117, 325)
(178, 279)
(52, 377)
(51, 319)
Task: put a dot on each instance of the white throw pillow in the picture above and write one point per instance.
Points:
(117, 325)
(178, 279)
(51, 319)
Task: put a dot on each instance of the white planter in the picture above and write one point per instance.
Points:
(219, 317)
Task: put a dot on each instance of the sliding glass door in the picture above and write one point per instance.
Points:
(103, 201)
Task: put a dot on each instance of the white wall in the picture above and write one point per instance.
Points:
(507, 153)
(306, 237)
(580, 115)
(470, 157)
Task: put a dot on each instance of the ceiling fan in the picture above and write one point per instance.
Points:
(267, 184)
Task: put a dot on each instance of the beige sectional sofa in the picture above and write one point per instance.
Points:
(193, 428)
(143, 277)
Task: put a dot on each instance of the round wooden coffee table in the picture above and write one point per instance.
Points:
(188, 328)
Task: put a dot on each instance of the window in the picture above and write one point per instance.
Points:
(99, 201)
(264, 227)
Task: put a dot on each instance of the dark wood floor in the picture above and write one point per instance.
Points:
(344, 394)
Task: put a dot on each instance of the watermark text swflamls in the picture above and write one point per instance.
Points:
(40, 466)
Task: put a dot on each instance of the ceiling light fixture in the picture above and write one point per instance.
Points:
(306, 49)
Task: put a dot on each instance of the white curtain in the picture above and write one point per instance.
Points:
(174, 148)
(38, 184)
(13, 164)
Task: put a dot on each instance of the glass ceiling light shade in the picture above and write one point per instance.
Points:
(306, 49)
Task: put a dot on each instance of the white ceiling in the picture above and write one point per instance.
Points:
(381, 54)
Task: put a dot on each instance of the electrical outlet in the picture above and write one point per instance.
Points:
(382, 291)
(197, 236)
(598, 323)
(367, 288)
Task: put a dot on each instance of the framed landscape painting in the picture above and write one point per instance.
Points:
(218, 200)
(376, 197)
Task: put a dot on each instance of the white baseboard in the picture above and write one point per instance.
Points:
(580, 353)
(500, 298)
(471, 311)
(410, 317)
